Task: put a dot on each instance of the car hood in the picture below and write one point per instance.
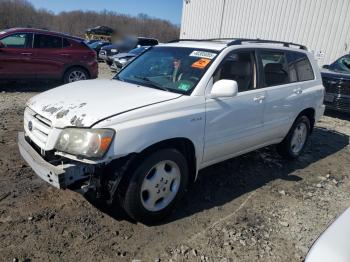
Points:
(333, 244)
(84, 103)
(335, 74)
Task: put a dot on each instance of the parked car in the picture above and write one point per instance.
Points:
(27, 53)
(98, 45)
(336, 79)
(333, 243)
(141, 138)
(120, 60)
(123, 46)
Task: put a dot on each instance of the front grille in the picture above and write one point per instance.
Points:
(37, 127)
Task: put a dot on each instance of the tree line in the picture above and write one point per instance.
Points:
(21, 13)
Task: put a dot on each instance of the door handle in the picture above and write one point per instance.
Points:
(26, 53)
(298, 91)
(64, 54)
(259, 99)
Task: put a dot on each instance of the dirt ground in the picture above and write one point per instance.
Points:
(256, 207)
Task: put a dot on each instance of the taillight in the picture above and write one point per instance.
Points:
(92, 55)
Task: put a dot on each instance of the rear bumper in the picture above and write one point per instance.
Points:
(58, 176)
(339, 103)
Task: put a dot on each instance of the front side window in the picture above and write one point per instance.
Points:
(173, 69)
(47, 41)
(238, 66)
(19, 40)
(299, 66)
(275, 69)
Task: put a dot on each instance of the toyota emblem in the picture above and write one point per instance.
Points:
(30, 125)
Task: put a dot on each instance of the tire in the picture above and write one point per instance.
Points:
(75, 74)
(156, 186)
(294, 143)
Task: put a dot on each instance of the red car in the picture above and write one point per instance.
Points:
(40, 54)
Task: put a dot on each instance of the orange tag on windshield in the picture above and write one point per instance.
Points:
(201, 63)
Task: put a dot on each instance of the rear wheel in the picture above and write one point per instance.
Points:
(156, 186)
(295, 141)
(75, 74)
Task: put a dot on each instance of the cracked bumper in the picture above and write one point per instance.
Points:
(58, 176)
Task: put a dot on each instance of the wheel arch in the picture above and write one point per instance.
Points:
(182, 144)
(310, 114)
(73, 66)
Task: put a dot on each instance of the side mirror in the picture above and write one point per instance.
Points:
(326, 66)
(224, 88)
(2, 45)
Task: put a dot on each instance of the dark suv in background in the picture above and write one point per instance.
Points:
(40, 54)
(336, 80)
(124, 46)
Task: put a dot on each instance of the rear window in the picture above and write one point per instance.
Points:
(285, 67)
(299, 66)
(275, 68)
(47, 41)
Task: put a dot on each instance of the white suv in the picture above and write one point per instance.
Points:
(142, 137)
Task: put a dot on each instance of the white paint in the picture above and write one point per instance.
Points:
(219, 128)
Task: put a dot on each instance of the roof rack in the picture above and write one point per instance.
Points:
(239, 41)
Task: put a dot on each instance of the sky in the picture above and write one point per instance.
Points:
(165, 9)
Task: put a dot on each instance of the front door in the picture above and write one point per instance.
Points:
(16, 56)
(233, 124)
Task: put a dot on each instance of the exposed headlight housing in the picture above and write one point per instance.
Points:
(89, 143)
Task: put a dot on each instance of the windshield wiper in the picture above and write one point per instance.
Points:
(152, 83)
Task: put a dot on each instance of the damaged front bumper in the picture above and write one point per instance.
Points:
(61, 175)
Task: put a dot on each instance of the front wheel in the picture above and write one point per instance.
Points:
(156, 186)
(295, 141)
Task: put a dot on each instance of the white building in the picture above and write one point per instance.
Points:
(322, 25)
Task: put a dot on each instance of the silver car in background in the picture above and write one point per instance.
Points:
(120, 60)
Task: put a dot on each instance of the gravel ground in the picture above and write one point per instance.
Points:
(272, 210)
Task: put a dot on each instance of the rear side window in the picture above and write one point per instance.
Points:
(47, 41)
(275, 68)
(299, 66)
(19, 40)
(65, 43)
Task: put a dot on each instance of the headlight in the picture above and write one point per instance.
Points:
(90, 143)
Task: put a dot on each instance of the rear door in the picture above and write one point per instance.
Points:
(16, 56)
(283, 93)
(49, 56)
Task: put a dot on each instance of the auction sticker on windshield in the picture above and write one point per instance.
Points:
(203, 54)
(201, 63)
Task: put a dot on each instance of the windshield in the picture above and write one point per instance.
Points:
(173, 69)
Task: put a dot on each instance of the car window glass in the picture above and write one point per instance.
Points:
(303, 67)
(47, 41)
(171, 68)
(65, 42)
(20, 40)
(238, 66)
(344, 64)
(275, 68)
